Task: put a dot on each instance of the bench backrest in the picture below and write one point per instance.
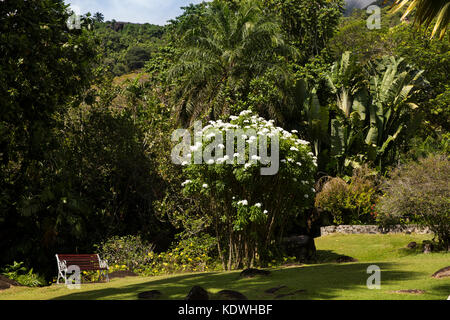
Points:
(84, 261)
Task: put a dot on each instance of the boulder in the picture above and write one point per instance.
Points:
(4, 285)
(150, 295)
(197, 293)
(250, 273)
(273, 290)
(302, 247)
(442, 273)
(231, 295)
(412, 245)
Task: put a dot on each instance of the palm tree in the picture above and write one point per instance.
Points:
(99, 17)
(427, 11)
(221, 58)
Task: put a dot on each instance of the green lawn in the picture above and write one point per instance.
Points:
(401, 269)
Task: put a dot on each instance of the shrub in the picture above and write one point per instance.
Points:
(350, 203)
(129, 251)
(187, 255)
(19, 273)
(248, 211)
(419, 192)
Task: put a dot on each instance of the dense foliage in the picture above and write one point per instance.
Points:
(85, 156)
(419, 192)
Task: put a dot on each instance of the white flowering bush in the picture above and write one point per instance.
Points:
(247, 210)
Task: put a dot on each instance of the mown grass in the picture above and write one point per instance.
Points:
(401, 269)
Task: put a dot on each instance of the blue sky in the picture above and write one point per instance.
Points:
(138, 11)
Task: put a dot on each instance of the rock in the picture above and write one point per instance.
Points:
(442, 273)
(412, 245)
(345, 259)
(231, 295)
(150, 295)
(289, 294)
(302, 247)
(9, 281)
(197, 293)
(273, 290)
(284, 295)
(4, 285)
(250, 273)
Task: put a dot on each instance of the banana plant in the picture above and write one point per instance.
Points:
(391, 87)
(344, 80)
(316, 117)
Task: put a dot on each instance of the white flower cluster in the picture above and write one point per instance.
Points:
(245, 203)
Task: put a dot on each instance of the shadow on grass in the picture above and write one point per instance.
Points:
(325, 281)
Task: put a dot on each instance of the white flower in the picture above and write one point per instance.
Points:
(306, 196)
(205, 185)
(234, 117)
(226, 157)
(265, 212)
(247, 165)
(294, 149)
(221, 146)
(186, 182)
(255, 157)
(258, 205)
(236, 155)
(211, 161)
(184, 163)
(243, 202)
(294, 131)
(299, 164)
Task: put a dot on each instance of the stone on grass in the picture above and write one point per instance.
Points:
(231, 295)
(273, 290)
(250, 273)
(197, 293)
(412, 245)
(302, 247)
(442, 273)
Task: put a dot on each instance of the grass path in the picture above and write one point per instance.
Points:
(401, 269)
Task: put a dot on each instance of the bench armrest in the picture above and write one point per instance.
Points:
(103, 263)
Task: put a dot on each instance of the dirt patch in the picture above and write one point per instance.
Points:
(413, 291)
(442, 273)
(122, 274)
